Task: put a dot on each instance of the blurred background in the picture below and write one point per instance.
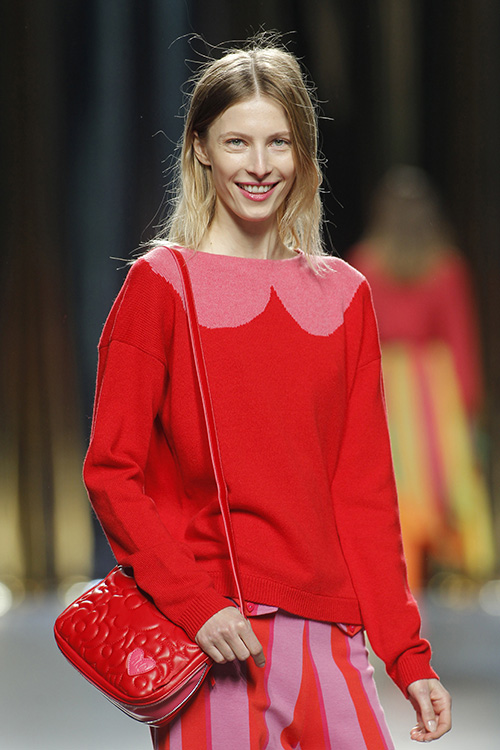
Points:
(92, 96)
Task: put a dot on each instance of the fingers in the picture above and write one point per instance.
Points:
(433, 707)
(442, 702)
(254, 647)
(228, 636)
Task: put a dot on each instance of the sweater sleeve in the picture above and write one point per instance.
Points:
(365, 502)
(131, 384)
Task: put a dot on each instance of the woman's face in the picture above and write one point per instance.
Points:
(249, 150)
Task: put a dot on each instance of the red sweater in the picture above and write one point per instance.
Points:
(294, 368)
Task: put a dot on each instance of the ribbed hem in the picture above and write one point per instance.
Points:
(296, 602)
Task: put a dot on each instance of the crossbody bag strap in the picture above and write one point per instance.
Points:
(213, 441)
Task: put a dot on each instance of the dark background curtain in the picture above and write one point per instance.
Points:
(91, 112)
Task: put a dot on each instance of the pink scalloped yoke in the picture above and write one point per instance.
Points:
(231, 291)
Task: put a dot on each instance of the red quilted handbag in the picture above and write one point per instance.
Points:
(116, 637)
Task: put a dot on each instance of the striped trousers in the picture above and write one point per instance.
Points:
(316, 692)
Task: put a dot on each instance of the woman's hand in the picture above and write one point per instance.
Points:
(433, 706)
(227, 636)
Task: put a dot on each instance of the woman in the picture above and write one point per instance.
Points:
(429, 334)
(293, 360)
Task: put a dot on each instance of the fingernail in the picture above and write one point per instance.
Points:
(432, 725)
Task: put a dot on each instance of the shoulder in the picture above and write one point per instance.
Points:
(359, 315)
(153, 279)
(156, 266)
(145, 305)
(343, 268)
(340, 276)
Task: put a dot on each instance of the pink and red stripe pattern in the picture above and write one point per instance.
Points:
(315, 693)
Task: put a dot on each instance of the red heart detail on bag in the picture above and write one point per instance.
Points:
(137, 663)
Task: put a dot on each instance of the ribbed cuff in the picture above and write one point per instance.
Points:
(410, 668)
(199, 610)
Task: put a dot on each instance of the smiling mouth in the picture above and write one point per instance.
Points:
(256, 189)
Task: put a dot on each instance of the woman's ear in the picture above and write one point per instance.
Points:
(200, 151)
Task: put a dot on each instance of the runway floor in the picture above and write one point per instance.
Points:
(45, 705)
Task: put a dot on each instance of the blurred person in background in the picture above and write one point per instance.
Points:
(293, 360)
(432, 373)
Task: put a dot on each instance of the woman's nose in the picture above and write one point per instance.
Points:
(259, 162)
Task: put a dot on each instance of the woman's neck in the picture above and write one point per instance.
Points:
(247, 241)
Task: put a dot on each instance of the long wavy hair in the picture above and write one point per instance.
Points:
(237, 76)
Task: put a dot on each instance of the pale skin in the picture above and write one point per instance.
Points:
(249, 150)
(248, 146)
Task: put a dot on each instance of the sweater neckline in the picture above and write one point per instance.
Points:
(298, 254)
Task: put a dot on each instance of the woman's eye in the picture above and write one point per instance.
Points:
(235, 142)
(280, 142)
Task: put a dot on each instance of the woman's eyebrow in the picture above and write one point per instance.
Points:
(246, 136)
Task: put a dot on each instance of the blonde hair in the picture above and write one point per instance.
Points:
(239, 75)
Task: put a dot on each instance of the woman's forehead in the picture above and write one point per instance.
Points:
(255, 113)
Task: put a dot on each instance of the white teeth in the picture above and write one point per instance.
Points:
(257, 188)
